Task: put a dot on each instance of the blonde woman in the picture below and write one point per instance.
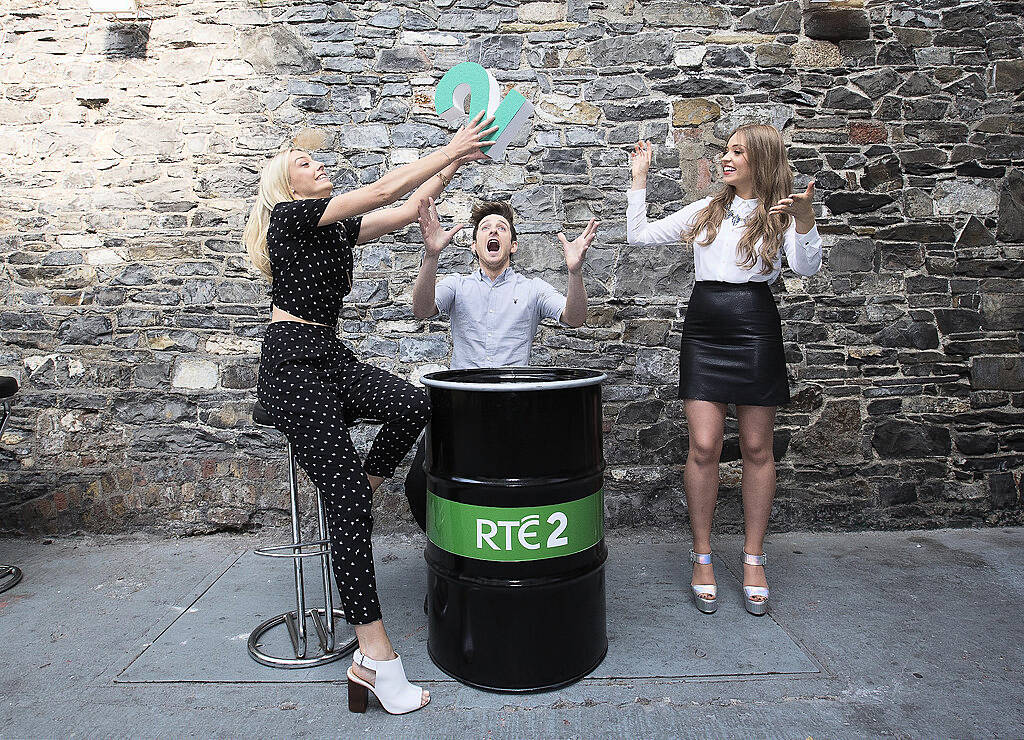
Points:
(312, 385)
(732, 335)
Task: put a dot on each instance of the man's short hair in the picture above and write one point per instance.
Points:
(486, 208)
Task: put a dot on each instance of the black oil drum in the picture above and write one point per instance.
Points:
(515, 523)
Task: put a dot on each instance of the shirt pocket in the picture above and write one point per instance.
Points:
(517, 323)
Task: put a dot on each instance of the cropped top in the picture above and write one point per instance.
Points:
(311, 265)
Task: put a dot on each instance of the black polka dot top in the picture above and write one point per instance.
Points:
(311, 265)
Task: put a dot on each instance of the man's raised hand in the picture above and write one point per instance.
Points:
(577, 248)
(434, 237)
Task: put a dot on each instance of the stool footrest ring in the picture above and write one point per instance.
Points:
(278, 551)
(10, 576)
(328, 653)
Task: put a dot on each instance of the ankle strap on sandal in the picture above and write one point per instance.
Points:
(749, 559)
(702, 558)
(364, 662)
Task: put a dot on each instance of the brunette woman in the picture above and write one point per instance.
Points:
(732, 337)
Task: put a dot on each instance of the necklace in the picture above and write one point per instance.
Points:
(736, 219)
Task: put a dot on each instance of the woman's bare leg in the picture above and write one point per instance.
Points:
(706, 423)
(757, 432)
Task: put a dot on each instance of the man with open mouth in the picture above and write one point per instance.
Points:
(494, 310)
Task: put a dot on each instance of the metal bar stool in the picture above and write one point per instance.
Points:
(10, 575)
(296, 621)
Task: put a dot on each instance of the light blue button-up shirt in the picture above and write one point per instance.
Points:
(494, 322)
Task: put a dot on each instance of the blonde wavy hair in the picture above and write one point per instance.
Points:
(275, 187)
(772, 181)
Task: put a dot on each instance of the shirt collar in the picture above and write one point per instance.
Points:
(508, 274)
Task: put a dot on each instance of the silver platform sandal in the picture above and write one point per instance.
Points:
(704, 595)
(755, 598)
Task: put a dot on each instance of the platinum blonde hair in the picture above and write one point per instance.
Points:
(275, 187)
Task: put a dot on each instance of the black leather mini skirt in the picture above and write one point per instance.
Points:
(732, 346)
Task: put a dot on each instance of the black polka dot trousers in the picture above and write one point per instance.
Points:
(313, 387)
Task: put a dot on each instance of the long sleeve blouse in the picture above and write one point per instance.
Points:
(718, 260)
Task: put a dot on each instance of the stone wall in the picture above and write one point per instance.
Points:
(129, 153)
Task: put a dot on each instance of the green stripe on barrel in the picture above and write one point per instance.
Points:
(515, 534)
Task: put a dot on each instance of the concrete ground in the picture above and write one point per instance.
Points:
(908, 634)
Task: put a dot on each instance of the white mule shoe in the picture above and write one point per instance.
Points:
(704, 595)
(755, 598)
(391, 687)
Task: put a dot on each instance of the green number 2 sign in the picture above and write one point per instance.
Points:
(468, 78)
(517, 533)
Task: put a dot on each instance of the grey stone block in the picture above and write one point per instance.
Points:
(645, 48)
(847, 99)
(998, 373)
(852, 255)
(466, 20)
(403, 59)
(778, 18)
(86, 329)
(1011, 208)
(617, 87)
(855, 202)
(828, 24)
(898, 438)
(278, 49)
(424, 348)
(1003, 490)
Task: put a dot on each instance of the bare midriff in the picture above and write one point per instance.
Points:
(279, 314)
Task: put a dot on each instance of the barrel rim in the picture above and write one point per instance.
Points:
(596, 377)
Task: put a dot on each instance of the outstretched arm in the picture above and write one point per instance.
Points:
(435, 239)
(386, 220)
(464, 146)
(575, 312)
(638, 230)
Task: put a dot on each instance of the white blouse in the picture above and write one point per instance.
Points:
(718, 260)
